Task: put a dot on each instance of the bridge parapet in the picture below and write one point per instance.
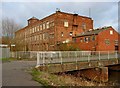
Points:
(62, 57)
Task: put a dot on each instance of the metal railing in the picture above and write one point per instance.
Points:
(24, 54)
(54, 57)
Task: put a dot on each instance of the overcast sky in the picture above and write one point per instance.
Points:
(103, 13)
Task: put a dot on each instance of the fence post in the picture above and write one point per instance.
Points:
(108, 55)
(76, 55)
(43, 58)
(88, 57)
(116, 54)
(60, 57)
(68, 54)
(38, 60)
(99, 55)
(51, 56)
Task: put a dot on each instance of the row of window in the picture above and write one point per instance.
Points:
(66, 24)
(47, 25)
(86, 39)
(40, 37)
(107, 42)
(93, 38)
(40, 27)
(70, 33)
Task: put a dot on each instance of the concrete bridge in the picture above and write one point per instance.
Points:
(93, 64)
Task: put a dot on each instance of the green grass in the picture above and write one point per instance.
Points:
(7, 59)
(47, 79)
(60, 81)
(4, 59)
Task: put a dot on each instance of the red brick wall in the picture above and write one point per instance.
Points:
(78, 20)
(88, 46)
(99, 43)
(58, 18)
(106, 35)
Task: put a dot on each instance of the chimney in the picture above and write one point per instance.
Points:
(32, 20)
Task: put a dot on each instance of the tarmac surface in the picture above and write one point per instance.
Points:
(15, 73)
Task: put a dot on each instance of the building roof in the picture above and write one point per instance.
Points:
(92, 32)
(74, 14)
(33, 18)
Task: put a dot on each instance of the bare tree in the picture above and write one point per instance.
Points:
(9, 26)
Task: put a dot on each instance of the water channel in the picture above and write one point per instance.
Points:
(114, 77)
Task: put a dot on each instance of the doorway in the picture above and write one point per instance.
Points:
(116, 48)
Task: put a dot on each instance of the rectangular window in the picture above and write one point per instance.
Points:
(81, 40)
(84, 26)
(111, 32)
(74, 40)
(43, 26)
(107, 41)
(40, 27)
(51, 35)
(30, 31)
(71, 33)
(47, 25)
(33, 29)
(37, 37)
(46, 36)
(116, 42)
(43, 36)
(65, 23)
(53, 24)
(40, 37)
(93, 38)
(88, 38)
(37, 28)
(85, 39)
(62, 34)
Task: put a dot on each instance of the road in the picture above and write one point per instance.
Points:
(15, 74)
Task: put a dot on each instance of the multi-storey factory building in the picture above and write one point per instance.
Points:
(51, 31)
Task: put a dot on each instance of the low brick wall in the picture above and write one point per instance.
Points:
(95, 74)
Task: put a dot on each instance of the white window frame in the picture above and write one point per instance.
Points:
(66, 24)
(40, 27)
(111, 32)
(43, 26)
(33, 29)
(37, 28)
(71, 34)
(62, 34)
(47, 25)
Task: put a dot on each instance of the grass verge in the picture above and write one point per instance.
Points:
(62, 80)
(7, 59)
(46, 79)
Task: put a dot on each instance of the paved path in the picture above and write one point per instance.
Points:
(14, 74)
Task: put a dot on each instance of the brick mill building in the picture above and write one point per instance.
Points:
(49, 32)
(101, 39)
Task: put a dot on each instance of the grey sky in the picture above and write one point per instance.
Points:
(103, 13)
